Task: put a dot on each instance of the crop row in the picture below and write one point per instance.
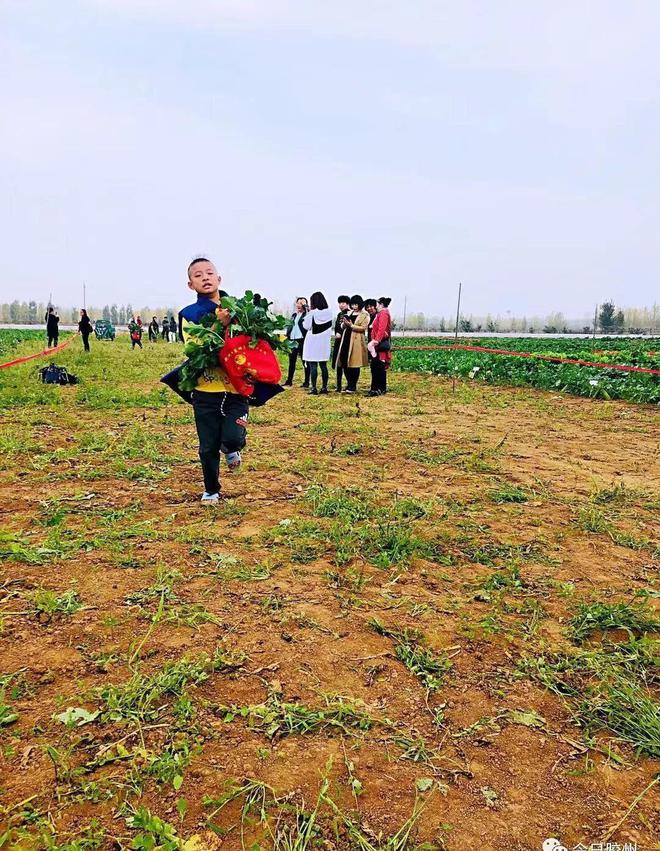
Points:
(625, 350)
(594, 382)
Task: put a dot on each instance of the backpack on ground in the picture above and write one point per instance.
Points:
(52, 374)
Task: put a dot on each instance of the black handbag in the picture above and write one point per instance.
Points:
(385, 345)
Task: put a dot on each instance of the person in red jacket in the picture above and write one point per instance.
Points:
(380, 347)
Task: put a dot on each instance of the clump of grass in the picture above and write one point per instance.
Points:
(364, 840)
(616, 494)
(14, 548)
(591, 519)
(258, 796)
(593, 617)
(428, 667)
(608, 688)
(154, 832)
(303, 539)
(276, 718)
(49, 603)
(143, 698)
(7, 713)
(350, 579)
(393, 543)
(230, 568)
(168, 766)
(346, 503)
(629, 710)
(508, 578)
(509, 493)
(410, 508)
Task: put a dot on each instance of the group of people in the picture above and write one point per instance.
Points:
(168, 330)
(357, 337)
(85, 328)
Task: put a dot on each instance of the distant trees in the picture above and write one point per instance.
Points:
(610, 320)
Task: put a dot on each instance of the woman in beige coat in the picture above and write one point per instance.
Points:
(353, 344)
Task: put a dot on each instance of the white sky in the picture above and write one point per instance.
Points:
(387, 148)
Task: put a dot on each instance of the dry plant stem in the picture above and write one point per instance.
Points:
(613, 830)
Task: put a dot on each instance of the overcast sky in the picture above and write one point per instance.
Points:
(386, 147)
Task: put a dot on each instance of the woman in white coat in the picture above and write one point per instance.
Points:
(316, 348)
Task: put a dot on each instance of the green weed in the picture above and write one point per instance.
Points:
(509, 493)
(276, 718)
(144, 698)
(593, 617)
(428, 667)
(49, 603)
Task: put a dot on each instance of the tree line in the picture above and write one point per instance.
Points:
(610, 319)
(33, 313)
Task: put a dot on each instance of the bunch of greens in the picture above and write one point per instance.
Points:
(247, 316)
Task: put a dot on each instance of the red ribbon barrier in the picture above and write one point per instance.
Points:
(37, 355)
(552, 358)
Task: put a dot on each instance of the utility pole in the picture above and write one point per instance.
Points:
(595, 324)
(405, 305)
(458, 310)
(84, 297)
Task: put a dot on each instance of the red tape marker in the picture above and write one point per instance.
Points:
(37, 355)
(552, 358)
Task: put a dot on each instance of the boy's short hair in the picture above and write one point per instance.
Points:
(344, 298)
(197, 260)
(369, 302)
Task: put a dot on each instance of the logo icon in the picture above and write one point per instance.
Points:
(552, 844)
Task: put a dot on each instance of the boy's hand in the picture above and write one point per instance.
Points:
(223, 315)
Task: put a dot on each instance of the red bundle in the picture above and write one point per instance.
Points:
(246, 364)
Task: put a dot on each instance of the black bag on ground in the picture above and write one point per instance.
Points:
(52, 374)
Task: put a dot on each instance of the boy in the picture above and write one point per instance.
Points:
(221, 414)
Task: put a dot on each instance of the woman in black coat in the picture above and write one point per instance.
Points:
(85, 328)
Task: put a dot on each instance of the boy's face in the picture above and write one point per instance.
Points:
(203, 278)
(343, 305)
(371, 309)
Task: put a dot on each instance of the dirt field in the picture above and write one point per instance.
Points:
(404, 605)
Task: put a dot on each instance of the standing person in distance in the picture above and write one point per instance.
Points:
(153, 330)
(316, 346)
(353, 346)
(173, 330)
(297, 333)
(370, 307)
(165, 333)
(343, 303)
(135, 332)
(52, 327)
(380, 347)
(85, 328)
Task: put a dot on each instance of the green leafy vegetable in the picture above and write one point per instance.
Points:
(246, 317)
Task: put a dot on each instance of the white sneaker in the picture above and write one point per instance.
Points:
(210, 497)
(233, 460)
